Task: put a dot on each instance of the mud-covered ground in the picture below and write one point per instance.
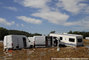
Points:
(46, 53)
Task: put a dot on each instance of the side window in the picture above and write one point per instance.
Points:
(54, 37)
(71, 39)
(61, 38)
(79, 40)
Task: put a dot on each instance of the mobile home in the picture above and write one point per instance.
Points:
(16, 42)
(69, 39)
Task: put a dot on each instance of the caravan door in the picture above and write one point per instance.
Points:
(24, 42)
(79, 41)
(48, 41)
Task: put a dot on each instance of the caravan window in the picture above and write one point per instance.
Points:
(54, 37)
(61, 38)
(79, 40)
(71, 39)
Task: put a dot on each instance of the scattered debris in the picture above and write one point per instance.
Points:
(46, 53)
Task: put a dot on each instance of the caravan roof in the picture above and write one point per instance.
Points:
(15, 35)
(69, 34)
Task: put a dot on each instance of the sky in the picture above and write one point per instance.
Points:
(43, 16)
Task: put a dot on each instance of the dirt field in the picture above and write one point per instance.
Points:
(46, 53)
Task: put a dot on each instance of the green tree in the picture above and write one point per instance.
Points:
(37, 34)
(85, 34)
(3, 32)
(70, 32)
(52, 31)
(18, 32)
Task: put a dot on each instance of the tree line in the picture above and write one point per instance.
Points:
(85, 34)
(4, 32)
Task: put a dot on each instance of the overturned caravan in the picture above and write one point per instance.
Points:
(69, 39)
(15, 42)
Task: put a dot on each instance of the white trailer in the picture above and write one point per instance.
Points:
(69, 39)
(16, 42)
(41, 41)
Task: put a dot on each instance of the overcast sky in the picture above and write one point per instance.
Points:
(43, 16)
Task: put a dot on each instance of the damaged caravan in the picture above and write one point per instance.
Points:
(16, 42)
(69, 39)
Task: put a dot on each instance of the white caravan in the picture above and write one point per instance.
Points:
(69, 39)
(16, 42)
(41, 41)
